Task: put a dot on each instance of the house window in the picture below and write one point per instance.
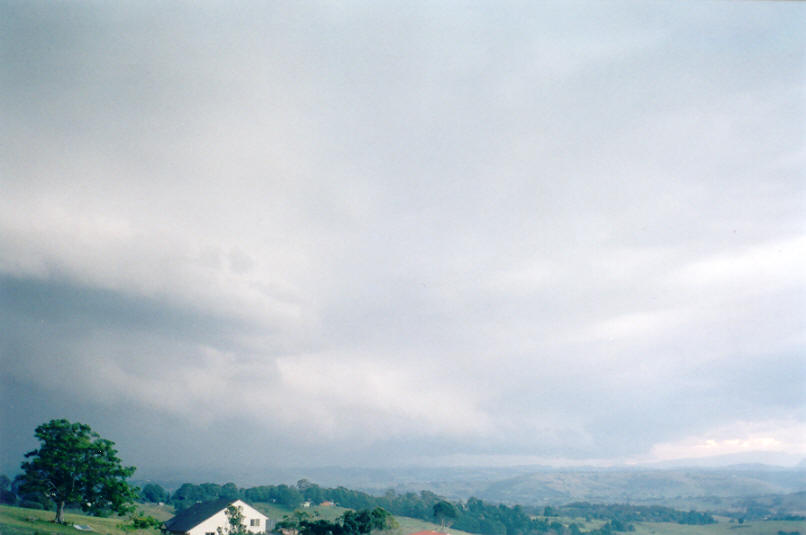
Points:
(254, 522)
(210, 533)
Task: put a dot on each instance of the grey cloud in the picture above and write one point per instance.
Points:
(560, 220)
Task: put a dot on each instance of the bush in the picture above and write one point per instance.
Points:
(7, 497)
(145, 522)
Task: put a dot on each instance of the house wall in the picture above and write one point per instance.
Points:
(219, 520)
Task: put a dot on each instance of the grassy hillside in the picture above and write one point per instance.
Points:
(160, 512)
(277, 512)
(413, 525)
(18, 521)
(407, 525)
(722, 528)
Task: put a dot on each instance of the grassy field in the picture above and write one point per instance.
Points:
(722, 528)
(407, 525)
(277, 512)
(413, 525)
(584, 525)
(160, 512)
(18, 521)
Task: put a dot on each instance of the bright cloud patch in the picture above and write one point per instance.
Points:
(742, 437)
(338, 387)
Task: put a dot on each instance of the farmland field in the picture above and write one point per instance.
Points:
(277, 512)
(18, 521)
(330, 513)
(722, 528)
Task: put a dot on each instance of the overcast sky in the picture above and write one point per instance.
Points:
(389, 233)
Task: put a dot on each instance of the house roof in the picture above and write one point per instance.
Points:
(196, 514)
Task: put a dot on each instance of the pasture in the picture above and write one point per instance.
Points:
(18, 521)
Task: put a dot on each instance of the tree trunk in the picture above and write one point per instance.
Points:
(59, 513)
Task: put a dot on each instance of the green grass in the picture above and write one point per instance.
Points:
(160, 512)
(723, 527)
(331, 513)
(412, 525)
(584, 525)
(19, 521)
(771, 527)
(277, 512)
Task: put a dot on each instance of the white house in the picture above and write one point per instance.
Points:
(205, 518)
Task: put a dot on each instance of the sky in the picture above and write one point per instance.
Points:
(242, 235)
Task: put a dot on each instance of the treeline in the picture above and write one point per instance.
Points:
(624, 514)
(13, 493)
(350, 523)
(767, 508)
(474, 515)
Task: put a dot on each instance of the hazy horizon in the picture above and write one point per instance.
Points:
(255, 235)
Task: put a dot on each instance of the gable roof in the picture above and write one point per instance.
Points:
(196, 514)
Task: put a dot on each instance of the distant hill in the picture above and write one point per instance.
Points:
(539, 485)
(642, 485)
(542, 485)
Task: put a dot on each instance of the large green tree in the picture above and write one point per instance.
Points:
(75, 466)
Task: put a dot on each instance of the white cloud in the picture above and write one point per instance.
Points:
(639, 324)
(404, 397)
(408, 221)
(762, 268)
(523, 279)
(741, 437)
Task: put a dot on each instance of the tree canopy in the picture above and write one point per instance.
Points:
(473, 516)
(443, 511)
(75, 466)
(350, 523)
(154, 493)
